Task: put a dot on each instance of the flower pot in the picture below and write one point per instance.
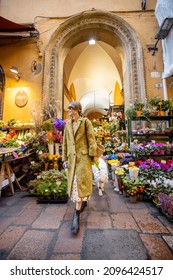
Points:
(140, 196)
(155, 113)
(125, 193)
(51, 148)
(161, 152)
(133, 198)
(138, 113)
(162, 113)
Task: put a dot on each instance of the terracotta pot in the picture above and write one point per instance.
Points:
(162, 113)
(138, 113)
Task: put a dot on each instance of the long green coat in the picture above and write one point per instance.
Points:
(78, 149)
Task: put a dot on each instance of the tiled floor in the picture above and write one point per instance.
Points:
(111, 227)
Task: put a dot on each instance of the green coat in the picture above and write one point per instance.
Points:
(78, 149)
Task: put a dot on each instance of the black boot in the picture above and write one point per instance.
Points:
(75, 223)
(84, 204)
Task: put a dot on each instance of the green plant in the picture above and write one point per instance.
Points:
(47, 125)
(164, 105)
(130, 113)
(138, 105)
(51, 183)
(146, 112)
(154, 101)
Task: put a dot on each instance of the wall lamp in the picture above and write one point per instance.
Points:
(163, 32)
(14, 70)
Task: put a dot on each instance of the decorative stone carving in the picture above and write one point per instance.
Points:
(120, 30)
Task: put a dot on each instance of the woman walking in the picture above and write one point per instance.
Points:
(78, 151)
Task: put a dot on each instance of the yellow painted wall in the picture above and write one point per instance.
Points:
(22, 54)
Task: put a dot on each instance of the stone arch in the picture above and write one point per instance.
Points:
(106, 27)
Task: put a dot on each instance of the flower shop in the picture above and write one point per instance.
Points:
(145, 171)
(139, 157)
(31, 157)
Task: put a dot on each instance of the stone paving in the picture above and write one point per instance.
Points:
(111, 228)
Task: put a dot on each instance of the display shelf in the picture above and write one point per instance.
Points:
(158, 136)
(144, 137)
(9, 172)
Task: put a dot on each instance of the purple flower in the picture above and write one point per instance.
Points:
(59, 124)
(155, 165)
(164, 166)
(144, 165)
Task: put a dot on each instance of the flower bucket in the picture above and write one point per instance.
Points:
(51, 148)
(133, 173)
(125, 193)
(140, 196)
(133, 199)
(57, 148)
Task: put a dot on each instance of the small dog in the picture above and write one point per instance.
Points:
(100, 175)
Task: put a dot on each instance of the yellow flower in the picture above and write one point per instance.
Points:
(120, 171)
(133, 168)
(114, 161)
(131, 163)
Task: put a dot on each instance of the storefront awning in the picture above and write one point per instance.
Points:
(12, 29)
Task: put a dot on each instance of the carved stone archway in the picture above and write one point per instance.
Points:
(106, 27)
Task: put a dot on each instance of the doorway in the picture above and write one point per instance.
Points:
(69, 43)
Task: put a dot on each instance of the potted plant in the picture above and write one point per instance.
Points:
(163, 106)
(138, 107)
(130, 113)
(165, 203)
(154, 101)
(51, 186)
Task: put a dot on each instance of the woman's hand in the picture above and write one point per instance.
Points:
(95, 159)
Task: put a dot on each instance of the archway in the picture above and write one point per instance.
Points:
(105, 27)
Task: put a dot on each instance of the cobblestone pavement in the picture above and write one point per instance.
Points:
(111, 228)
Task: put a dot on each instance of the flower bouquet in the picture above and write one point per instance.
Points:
(59, 124)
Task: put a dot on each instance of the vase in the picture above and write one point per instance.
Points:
(133, 199)
(51, 148)
(57, 148)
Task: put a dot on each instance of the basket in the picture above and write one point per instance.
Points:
(100, 150)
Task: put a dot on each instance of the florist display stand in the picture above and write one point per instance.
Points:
(6, 168)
